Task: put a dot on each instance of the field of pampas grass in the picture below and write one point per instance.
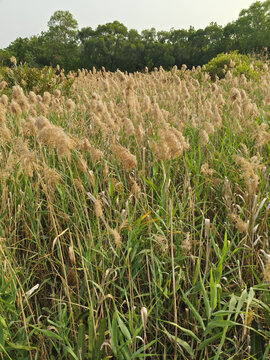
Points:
(134, 217)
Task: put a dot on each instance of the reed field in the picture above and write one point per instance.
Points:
(134, 216)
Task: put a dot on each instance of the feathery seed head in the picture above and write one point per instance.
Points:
(57, 93)
(123, 156)
(70, 104)
(71, 255)
(2, 113)
(235, 94)
(4, 100)
(17, 92)
(51, 177)
(144, 316)
(32, 97)
(3, 84)
(42, 122)
(98, 208)
(47, 98)
(135, 188)
(204, 138)
(128, 126)
(13, 60)
(15, 108)
(116, 236)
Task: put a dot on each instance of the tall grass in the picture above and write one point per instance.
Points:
(134, 218)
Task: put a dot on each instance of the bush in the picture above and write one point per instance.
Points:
(237, 63)
(34, 79)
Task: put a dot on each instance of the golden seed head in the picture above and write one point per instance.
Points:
(70, 104)
(15, 108)
(32, 97)
(98, 208)
(39, 98)
(91, 177)
(116, 236)
(4, 100)
(123, 156)
(240, 225)
(120, 75)
(79, 185)
(17, 92)
(209, 128)
(71, 255)
(162, 243)
(3, 84)
(144, 316)
(206, 170)
(235, 94)
(128, 126)
(13, 60)
(47, 98)
(214, 87)
(42, 122)
(135, 188)
(2, 113)
(204, 137)
(51, 177)
(186, 244)
(5, 134)
(57, 93)
(82, 164)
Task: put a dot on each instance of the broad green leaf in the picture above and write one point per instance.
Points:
(49, 333)
(3, 350)
(208, 341)
(142, 349)
(219, 323)
(205, 299)
(193, 310)
(186, 331)
(123, 328)
(181, 342)
(71, 352)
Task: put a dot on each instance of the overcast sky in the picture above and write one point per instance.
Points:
(24, 18)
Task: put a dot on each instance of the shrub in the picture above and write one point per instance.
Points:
(237, 63)
(34, 79)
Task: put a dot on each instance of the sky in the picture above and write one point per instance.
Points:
(24, 18)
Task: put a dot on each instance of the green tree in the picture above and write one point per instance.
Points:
(63, 27)
(60, 41)
(20, 48)
(111, 45)
(251, 31)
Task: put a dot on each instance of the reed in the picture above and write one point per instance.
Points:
(134, 217)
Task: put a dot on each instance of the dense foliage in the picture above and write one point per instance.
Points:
(113, 46)
(34, 79)
(237, 63)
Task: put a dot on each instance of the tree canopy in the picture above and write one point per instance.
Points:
(114, 46)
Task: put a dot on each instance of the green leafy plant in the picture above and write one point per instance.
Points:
(237, 63)
(35, 79)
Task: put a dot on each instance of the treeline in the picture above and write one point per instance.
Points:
(115, 47)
